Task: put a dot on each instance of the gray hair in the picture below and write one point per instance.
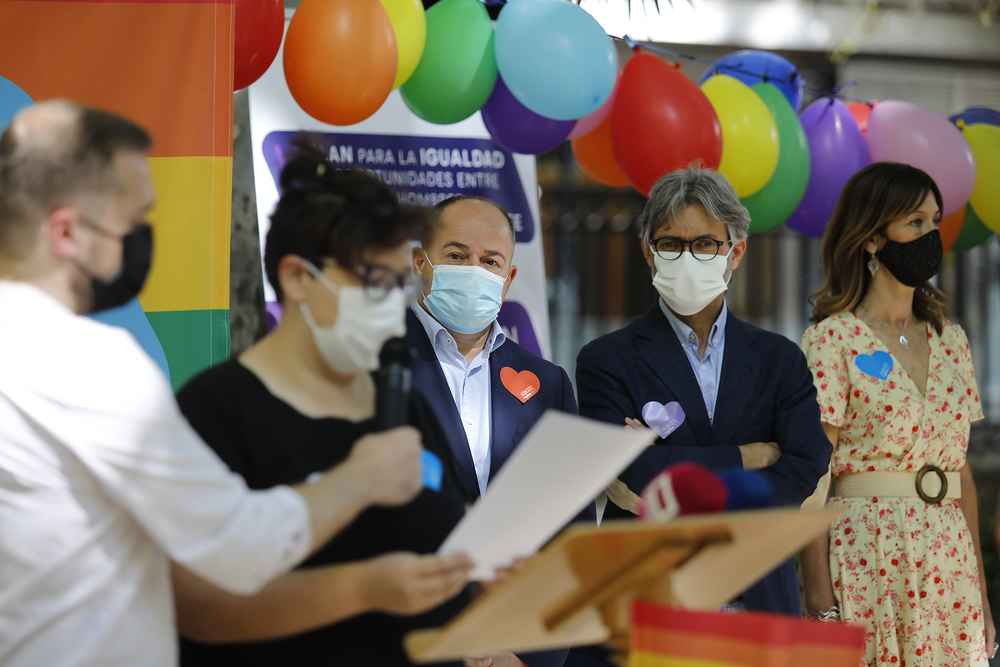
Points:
(679, 189)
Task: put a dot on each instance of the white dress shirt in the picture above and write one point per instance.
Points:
(101, 480)
(470, 388)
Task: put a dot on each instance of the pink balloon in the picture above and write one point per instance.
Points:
(589, 123)
(907, 133)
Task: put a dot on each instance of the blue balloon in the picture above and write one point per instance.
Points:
(751, 67)
(974, 115)
(12, 100)
(555, 58)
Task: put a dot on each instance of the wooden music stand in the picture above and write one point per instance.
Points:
(577, 590)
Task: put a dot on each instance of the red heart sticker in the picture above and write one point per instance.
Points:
(523, 385)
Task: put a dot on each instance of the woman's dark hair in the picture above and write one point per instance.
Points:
(876, 195)
(329, 211)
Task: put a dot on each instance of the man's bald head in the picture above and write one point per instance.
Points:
(54, 154)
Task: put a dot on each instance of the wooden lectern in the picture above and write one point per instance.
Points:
(578, 589)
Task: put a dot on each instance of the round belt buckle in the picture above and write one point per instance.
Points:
(933, 500)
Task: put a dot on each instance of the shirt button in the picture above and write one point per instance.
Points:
(715, 340)
(709, 414)
(703, 367)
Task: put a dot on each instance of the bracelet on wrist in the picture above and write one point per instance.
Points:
(831, 614)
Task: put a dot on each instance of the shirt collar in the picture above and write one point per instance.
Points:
(438, 334)
(686, 334)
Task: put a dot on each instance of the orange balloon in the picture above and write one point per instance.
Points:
(340, 59)
(594, 155)
(951, 227)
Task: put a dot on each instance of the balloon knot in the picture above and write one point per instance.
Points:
(961, 123)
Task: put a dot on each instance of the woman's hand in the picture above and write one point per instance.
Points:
(991, 631)
(407, 583)
(389, 464)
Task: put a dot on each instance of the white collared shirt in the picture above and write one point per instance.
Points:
(707, 369)
(101, 480)
(470, 387)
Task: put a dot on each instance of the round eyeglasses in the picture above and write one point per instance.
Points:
(376, 280)
(703, 249)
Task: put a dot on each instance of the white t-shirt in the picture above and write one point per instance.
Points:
(101, 480)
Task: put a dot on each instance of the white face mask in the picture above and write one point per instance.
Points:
(353, 342)
(688, 284)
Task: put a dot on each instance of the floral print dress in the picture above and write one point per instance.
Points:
(903, 569)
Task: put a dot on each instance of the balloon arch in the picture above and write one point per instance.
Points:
(547, 72)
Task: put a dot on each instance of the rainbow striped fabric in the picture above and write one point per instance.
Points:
(663, 636)
(166, 64)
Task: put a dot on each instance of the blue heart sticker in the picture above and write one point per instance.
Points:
(877, 364)
(432, 470)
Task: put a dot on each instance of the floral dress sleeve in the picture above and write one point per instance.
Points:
(824, 347)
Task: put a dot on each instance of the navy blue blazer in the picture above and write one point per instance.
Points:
(766, 394)
(511, 419)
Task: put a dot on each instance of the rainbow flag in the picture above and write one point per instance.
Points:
(166, 64)
(663, 636)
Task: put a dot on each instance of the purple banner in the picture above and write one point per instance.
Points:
(423, 170)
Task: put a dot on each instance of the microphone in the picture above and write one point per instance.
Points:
(747, 489)
(689, 488)
(393, 382)
(684, 488)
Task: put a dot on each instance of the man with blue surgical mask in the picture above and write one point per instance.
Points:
(486, 390)
(736, 395)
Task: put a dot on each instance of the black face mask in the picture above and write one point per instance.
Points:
(137, 255)
(914, 262)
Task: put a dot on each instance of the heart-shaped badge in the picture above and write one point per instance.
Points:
(523, 385)
(877, 364)
(664, 419)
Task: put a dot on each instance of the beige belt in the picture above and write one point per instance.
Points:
(925, 484)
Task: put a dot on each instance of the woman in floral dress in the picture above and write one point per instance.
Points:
(897, 393)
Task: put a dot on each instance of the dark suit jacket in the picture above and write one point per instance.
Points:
(766, 394)
(511, 419)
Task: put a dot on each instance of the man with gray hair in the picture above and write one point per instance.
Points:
(101, 478)
(743, 396)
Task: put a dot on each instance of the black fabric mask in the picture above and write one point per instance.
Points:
(914, 262)
(137, 255)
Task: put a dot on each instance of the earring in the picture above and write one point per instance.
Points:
(872, 265)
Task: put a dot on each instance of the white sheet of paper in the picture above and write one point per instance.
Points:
(561, 465)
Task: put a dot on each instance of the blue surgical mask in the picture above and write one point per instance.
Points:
(465, 299)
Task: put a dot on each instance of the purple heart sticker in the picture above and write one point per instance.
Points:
(878, 364)
(664, 419)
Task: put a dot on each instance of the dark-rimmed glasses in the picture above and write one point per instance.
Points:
(377, 280)
(702, 249)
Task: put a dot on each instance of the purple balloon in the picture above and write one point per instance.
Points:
(837, 150)
(907, 133)
(519, 129)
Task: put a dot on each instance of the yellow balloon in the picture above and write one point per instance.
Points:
(749, 134)
(410, 25)
(984, 140)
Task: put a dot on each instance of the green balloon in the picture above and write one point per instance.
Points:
(771, 205)
(458, 68)
(973, 232)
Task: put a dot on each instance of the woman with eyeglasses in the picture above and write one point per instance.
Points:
(296, 403)
(897, 393)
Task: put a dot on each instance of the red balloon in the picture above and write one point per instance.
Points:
(596, 159)
(860, 111)
(951, 227)
(256, 38)
(661, 121)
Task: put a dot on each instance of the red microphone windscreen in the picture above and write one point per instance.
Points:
(685, 488)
